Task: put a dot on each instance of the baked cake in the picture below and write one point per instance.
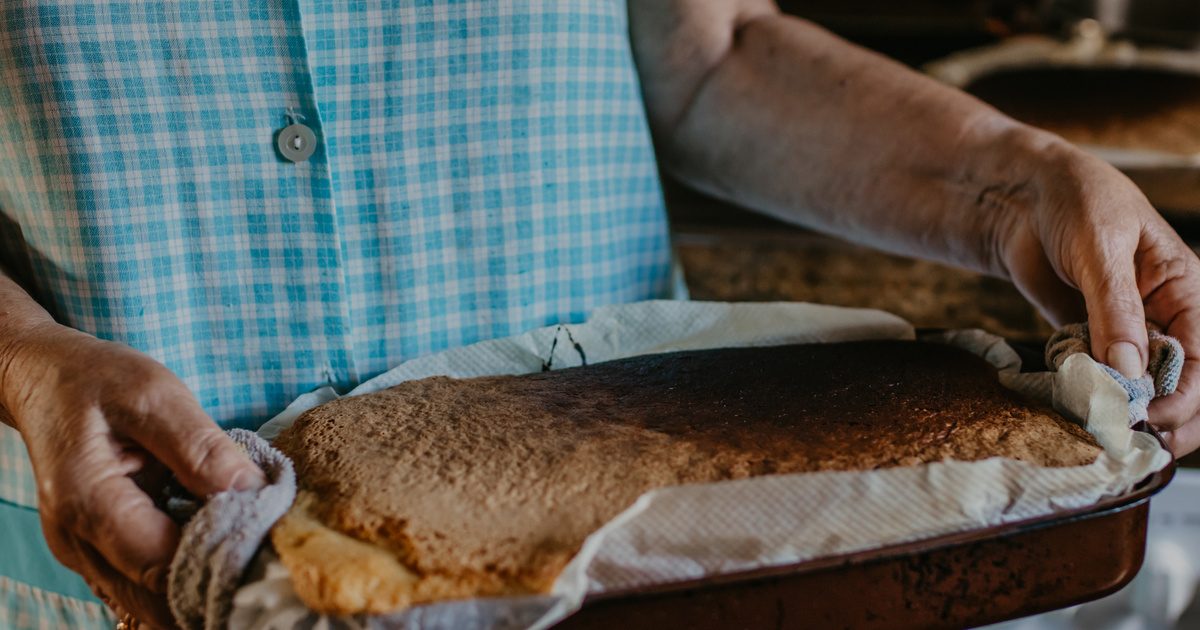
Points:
(445, 488)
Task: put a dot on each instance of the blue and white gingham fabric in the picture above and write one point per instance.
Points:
(483, 167)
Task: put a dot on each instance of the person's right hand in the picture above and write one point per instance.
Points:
(102, 423)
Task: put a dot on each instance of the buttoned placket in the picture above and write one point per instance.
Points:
(301, 141)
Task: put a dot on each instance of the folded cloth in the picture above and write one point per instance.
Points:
(222, 535)
(1162, 374)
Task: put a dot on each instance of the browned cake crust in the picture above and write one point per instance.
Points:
(489, 485)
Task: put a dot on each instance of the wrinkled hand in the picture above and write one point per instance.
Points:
(1085, 237)
(103, 424)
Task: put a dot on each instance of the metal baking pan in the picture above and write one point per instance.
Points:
(960, 580)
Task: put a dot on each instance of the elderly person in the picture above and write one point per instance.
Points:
(207, 209)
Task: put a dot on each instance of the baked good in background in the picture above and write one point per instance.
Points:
(1119, 108)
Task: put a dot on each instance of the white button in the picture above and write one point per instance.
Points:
(296, 142)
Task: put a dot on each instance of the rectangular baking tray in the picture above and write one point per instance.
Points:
(960, 580)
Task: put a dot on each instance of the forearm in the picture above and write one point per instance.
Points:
(799, 124)
(21, 317)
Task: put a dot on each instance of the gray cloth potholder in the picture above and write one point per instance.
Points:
(1162, 374)
(222, 535)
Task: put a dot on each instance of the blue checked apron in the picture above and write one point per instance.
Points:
(478, 168)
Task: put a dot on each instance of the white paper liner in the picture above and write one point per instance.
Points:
(687, 532)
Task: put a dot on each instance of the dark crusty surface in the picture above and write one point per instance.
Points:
(489, 485)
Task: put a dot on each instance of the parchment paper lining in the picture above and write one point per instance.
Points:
(688, 532)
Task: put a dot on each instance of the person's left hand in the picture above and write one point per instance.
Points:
(1085, 236)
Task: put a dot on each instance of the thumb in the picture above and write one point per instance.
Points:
(1117, 321)
(202, 456)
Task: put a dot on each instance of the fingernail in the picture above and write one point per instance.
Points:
(157, 579)
(1125, 358)
(249, 479)
(1168, 439)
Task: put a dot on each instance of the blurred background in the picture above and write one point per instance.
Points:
(1120, 78)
